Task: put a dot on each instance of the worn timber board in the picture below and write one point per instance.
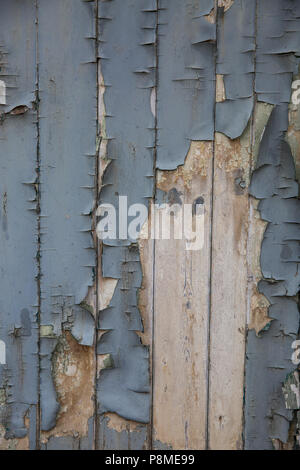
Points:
(133, 342)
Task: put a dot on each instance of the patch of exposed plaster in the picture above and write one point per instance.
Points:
(119, 424)
(47, 331)
(220, 88)
(73, 374)
(196, 163)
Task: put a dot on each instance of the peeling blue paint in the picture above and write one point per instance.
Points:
(18, 218)
(67, 128)
(186, 79)
(128, 60)
(235, 61)
(269, 354)
(158, 60)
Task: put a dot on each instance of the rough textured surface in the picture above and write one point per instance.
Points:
(228, 292)
(181, 307)
(168, 74)
(235, 61)
(67, 151)
(130, 135)
(278, 37)
(186, 78)
(73, 368)
(18, 221)
(269, 354)
(123, 437)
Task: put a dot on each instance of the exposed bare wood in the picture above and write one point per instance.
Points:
(229, 291)
(181, 315)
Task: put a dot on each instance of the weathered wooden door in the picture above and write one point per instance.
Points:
(144, 110)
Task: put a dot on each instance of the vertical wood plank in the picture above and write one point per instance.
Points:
(232, 165)
(185, 129)
(68, 126)
(127, 57)
(181, 309)
(229, 291)
(18, 226)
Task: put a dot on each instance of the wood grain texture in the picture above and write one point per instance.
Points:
(181, 315)
(228, 291)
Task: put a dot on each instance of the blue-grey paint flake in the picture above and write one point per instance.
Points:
(186, 78)
(18, 219)
(268, 358)
(83, 326)
(235, 61)
(67, 127)
(127, 38)
(278, 38)
(274, 183)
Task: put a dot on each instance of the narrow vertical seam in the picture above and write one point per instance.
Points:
(38, 211)
(153, 221)
(97, 251)
(251, 163)
(207, 436)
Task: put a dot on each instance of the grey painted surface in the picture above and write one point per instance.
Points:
(128, 59)
(68, 100)
(186, 78)
(278, 36)
(269, 354)
(18, 219)
(235, 61)
(59, 155)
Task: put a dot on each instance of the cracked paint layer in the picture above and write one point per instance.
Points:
(235, 62)
(186, 83)
(274, 183)
(67, 147)
(128, 60)
(268, 357)
(18, 225)
(121, 435)
(277, 49)
(50, 167)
